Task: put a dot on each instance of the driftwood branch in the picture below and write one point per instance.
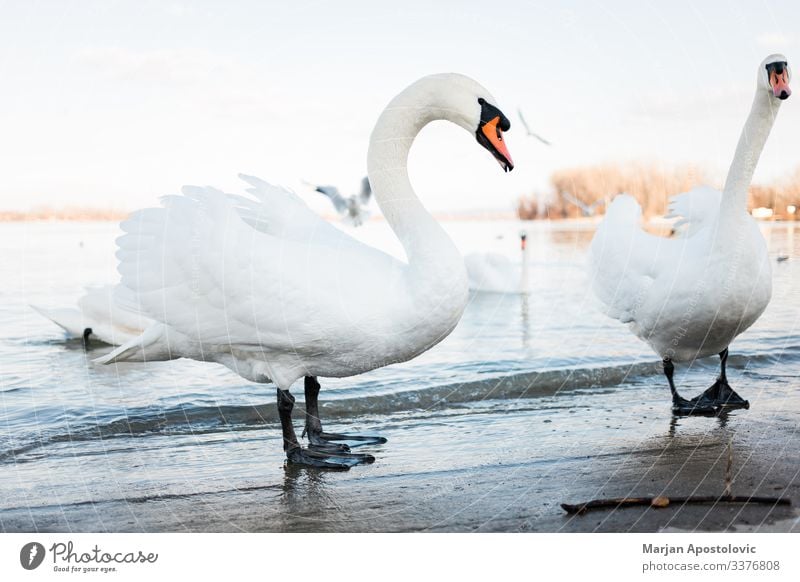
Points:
(661, 501)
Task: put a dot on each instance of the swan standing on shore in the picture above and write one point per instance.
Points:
(266, 287)
(689, 297)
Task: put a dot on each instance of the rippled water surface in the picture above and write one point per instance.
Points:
(161, 428)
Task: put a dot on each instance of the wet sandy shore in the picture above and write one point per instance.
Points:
(493, 466)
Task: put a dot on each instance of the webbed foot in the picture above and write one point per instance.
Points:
(723, 396)
(340, 461)
(343, 442)
(699, 406)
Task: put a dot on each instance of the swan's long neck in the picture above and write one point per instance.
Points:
(433, 259)
(751, 143)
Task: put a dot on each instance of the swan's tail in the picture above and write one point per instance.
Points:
(150, 346)
(102, 314)
(69, 319)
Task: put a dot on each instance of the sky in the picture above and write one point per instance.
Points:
(112, 104)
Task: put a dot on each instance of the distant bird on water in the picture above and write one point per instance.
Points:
(353, 209)
(528, 129)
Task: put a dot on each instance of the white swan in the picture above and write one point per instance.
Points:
(352, 209)
(267, 288)
(689, 297)
(496, 273)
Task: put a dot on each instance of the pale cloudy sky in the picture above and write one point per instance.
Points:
(114, 103)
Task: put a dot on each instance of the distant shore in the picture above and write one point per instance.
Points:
(104, 215)
(109, 215)
(62, 215)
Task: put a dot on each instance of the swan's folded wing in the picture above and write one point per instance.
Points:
(178, 264)
(624, 259)
(697, 209)
(281, 213)
(199, 266)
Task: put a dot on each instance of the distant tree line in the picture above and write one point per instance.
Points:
(67, 214)
(584, 191)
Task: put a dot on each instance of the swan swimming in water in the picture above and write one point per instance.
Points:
(496, 273)
(690, 296)
(266, 287)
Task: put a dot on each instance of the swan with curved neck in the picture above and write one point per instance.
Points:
(264, 286)
(690, 296)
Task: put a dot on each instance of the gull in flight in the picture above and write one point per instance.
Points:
(352, 209)
(528, 129)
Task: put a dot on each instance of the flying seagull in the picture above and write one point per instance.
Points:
(586, 209)
(352, 209)
(528, 129)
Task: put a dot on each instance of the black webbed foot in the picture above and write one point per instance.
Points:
(316, 442)
(340, 461)
(723, 396)
(681, 406)
(696, 407)
(344, 442)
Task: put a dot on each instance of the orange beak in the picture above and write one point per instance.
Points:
(780, 84)
(495, 136)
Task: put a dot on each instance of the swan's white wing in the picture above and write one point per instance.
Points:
(697, 209)
(224, 286)
(625, 260)
(279, 212)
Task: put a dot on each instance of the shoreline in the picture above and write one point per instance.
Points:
(504, 466)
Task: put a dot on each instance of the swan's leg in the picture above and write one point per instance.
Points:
(721, 392)
(679, 404)
(317, 438)
(313, 426)
(314, 458)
